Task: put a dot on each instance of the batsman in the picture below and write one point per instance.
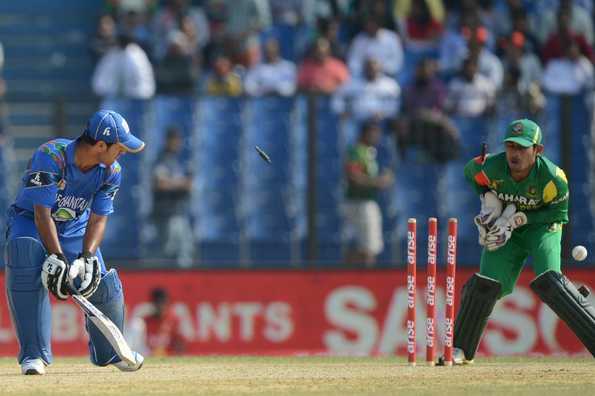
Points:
(54, 229)
(524, 203)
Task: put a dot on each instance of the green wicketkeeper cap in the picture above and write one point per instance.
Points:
(523, 132)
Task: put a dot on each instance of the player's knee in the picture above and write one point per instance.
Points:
(109, 289)
(24, 259)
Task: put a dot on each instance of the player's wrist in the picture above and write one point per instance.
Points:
(86, 254)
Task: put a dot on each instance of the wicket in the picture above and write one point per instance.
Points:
(451, 262)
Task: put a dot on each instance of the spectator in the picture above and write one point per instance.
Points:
(378, 43)
(105, 37)
(329, 29)
(320, 72)
(520, 24)
(454, 42)
(172, 185)
(517, 58)
(223, 81)
(426, 91)
(555, 47)
(245, 21)
(134, 24)
(488, 64)
(275, 76)
(424, 122)
(579, 21)
(569, 75)
(177, 73)
(117, 8)
(471, 94)
(516, 100)
(362, 214)
(163, 334)
(170, 18)
(420, 22)
(372, 96)
(125, 71)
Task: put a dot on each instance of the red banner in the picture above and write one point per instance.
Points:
(330, 312)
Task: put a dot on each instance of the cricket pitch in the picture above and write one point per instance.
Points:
(306, 375)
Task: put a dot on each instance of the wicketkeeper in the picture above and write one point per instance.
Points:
(54, 230)
(524, 203)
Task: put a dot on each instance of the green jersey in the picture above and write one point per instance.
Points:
(361, 158)
(542, 196)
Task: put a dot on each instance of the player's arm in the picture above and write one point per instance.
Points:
(94, 234)
(475, 175)
(47, 229)
(87, 264)
(555, 199)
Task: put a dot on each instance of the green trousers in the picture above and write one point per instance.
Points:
(540, 241)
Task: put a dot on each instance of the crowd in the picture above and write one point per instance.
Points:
(408, 65)
(480, 49)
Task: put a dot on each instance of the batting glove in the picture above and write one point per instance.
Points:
(87, 268)
(54, 275)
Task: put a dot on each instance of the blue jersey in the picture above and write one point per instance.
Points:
(53, 180)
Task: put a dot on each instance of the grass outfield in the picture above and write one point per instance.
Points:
(306, 375)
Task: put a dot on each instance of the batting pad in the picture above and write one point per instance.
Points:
(478, 298)
(109, 299)
(27, 298)
(568, 303)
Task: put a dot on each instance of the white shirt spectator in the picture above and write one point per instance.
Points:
(365, 99)
(531, 71)
(470, 98)
(385, 46)
(165, 21)
(271, 78)
(453, 49)
(567, 77)
(491, 67)
(124, 72)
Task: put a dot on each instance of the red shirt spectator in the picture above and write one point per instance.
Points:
(321, 72)
(163, 330)
(555, 46)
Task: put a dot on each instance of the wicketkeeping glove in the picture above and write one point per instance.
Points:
(491, 209)
(502, 229)
(87, 268)
(54, 275)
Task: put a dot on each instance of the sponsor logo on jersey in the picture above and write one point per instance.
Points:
(532, 191)
(69, 207)
(64, 214)
(522, 202)
(39, 179)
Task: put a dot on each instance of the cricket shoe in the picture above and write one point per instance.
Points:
(123, 366)
(458, 358)
(33, 367)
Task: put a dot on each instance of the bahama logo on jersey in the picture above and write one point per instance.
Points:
(69, 207)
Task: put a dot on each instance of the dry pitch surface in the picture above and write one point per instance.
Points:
(306, 375)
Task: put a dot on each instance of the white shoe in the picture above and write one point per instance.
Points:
(33, 367)
(123, 366)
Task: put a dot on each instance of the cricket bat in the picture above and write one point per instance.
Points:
(109, 330)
